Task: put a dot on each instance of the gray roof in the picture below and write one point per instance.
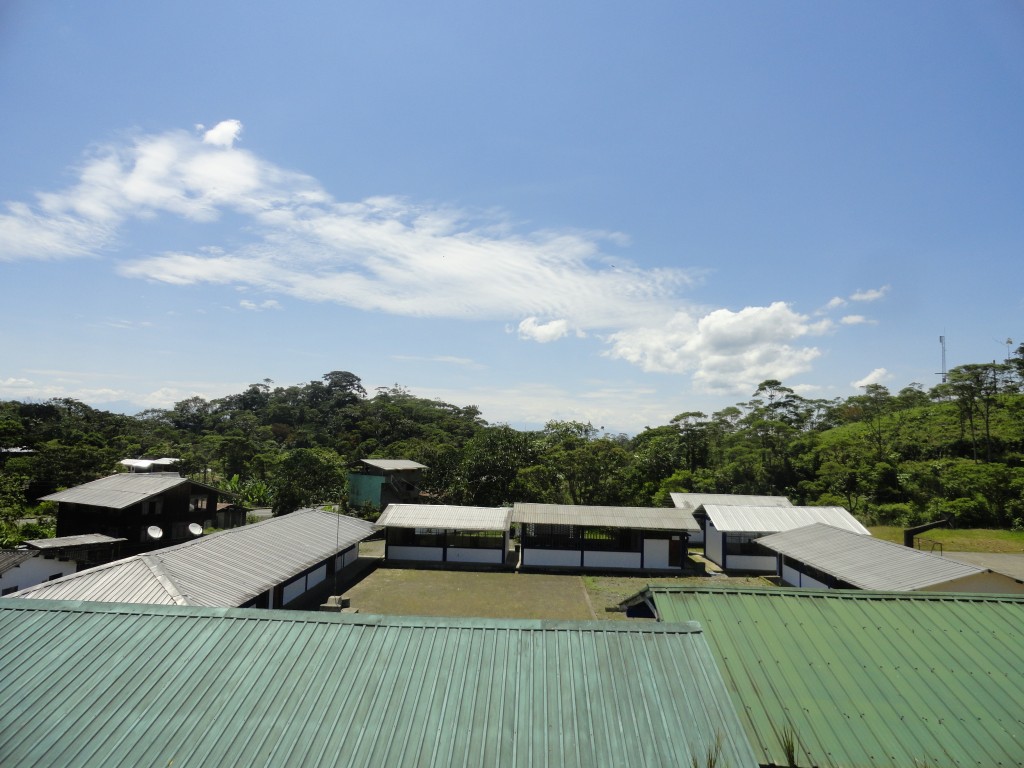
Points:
(448, 517)
(11, 558)
(83, 540)
(224, 569)
(393, 465)
(115, 685)
(866, 562)
(125, 489)
(753, 519)
(690, 501)
(648, 518)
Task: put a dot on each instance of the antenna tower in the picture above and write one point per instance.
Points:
(942, 373)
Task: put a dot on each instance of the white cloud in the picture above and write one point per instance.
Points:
(873, 294)
(254, 307)
(877, 376)
(835, 302)
(856, 320)
(223, 134)
(387, 254)
(726, 351)
(543, 332)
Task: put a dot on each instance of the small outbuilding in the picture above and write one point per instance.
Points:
(379, 482)
(446, 533)
(578, 536)
(731, 532)
(821, 556)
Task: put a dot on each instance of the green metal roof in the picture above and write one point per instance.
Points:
(130, 685)
(868, 678)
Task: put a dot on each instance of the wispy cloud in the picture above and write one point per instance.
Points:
(253, 306)
(856, 320)
(387, 254)
(877, 376)
(464, 362)
(872, 294)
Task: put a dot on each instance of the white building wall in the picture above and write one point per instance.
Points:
(429, 554)
(713, 544)
(796, 578)
(565, 558)
(315, 577)
(655, 553)
(473, 555)
(751, 563)
(34, 571)
(611, 559)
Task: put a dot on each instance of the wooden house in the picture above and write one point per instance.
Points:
(147, 509)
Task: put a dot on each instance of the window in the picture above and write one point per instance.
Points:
(477, 539)
(744, 544)
(551, 536)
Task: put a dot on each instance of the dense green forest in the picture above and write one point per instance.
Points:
(956, 449)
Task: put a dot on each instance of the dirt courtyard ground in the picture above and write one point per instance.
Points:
(428, 592)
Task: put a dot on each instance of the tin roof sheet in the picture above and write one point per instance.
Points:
(394, 465)
(767, 519)
(879, 679)
(448, 517)
(12, 558)
(122, 686)
(124, 489)
(225, 569)
(649, 518)
(864, 561)
(690, 501)
(82, 540)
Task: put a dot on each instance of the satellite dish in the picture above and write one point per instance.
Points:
(154, 532)
(195, 529)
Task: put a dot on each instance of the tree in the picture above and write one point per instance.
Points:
(307, 477)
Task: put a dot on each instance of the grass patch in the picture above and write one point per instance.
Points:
(429, 592)
(961, 540)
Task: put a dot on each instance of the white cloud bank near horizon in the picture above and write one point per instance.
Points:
(390, 255)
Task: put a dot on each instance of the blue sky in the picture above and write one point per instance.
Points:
(598, 211)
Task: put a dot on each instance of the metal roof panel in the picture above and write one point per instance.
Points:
(864, 561)
(879, 679)
(446, 516)
(124, 686)
(227, 568)
(649, 518)
(768, 519)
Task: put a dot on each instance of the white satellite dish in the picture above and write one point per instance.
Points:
(154, 532)
(195, 529)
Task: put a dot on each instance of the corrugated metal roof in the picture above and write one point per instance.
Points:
(83, 540)
(690, 501)
(755, 519)
(448, 517)
(879, 679)
(864, 561)
(124, 489)
(649, 518)
(119, 686)
(393, 465)
(11, 558)
(226, 569)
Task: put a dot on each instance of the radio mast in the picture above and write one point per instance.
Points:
(942, 373)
